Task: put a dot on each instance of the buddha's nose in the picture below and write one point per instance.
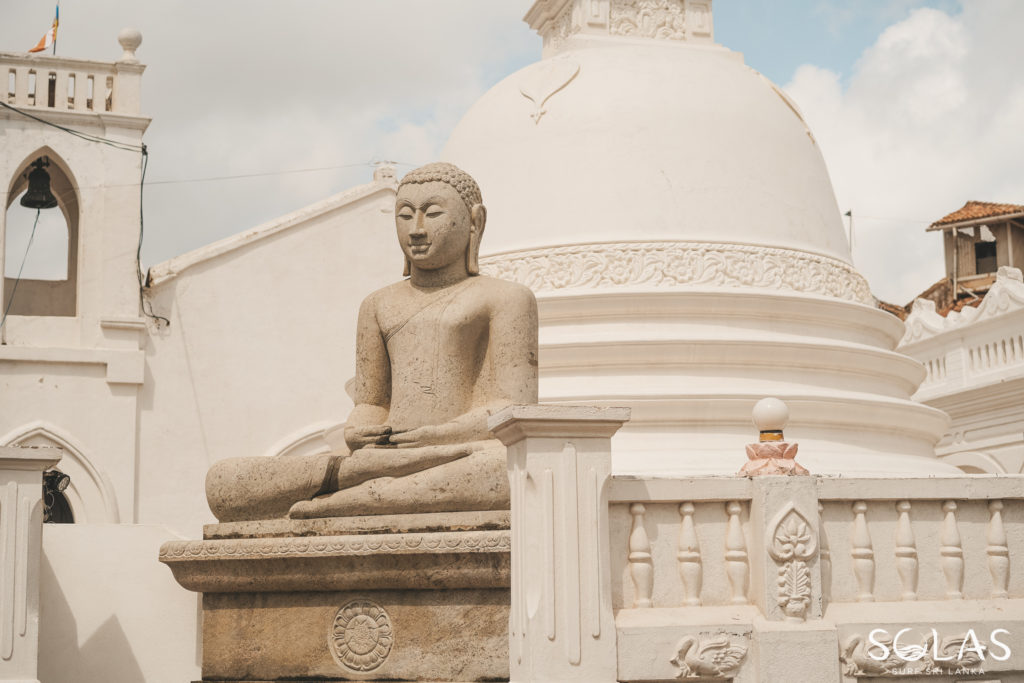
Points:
(418, 228)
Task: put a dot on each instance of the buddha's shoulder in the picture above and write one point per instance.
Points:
(386, 294)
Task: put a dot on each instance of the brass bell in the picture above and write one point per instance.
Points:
(39, 195)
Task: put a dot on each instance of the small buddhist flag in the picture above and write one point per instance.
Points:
(51, 36)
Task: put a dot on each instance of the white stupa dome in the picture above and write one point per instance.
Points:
(648, 142)
(674, 215)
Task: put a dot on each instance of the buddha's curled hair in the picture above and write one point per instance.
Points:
(451, 174)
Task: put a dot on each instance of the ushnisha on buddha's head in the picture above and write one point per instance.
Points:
(440, 217)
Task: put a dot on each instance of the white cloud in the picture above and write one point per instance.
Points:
(929, 118)
(237, 87)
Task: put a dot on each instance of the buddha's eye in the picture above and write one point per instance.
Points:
(434, 211)
(405, 213)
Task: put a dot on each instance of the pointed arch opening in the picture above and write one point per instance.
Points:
(90, 494)
(48, 285)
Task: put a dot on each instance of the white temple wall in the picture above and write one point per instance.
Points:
(260, 345)
(92, 581)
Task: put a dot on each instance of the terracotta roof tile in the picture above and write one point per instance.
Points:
(975, 210)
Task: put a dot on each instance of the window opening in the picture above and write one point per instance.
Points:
(984, 257)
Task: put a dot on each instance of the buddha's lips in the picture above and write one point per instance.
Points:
(419, 248)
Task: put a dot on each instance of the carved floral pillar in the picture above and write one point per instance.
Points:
(561, 626)
(21, 533)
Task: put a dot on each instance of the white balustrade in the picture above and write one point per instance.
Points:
(63, 84)
(628, 588)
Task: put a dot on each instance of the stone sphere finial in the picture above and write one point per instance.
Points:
(771, 454)
(130, 39)
(770, 417)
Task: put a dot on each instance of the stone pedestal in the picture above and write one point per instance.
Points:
(407, 597)
(21, 532)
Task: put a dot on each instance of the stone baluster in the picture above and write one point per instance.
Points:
(572, 636)
(998, 550)
(863, 554)
(952, 553)
(906, 552)
(689, 556)
(824, 557)
(60, 89)
(641, 566)
(736, 563)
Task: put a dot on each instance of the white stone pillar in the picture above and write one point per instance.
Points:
(21, 533)
(128, 78)
(561, 626)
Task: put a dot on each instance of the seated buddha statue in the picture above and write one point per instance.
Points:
(436, 355)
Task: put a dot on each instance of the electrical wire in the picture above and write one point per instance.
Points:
(177, 181)
(138, 252)
(268, 173)
(24, 258)
(77, 133)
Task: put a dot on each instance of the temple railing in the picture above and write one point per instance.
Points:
(761, 578)
(62, 84)
(879, 540)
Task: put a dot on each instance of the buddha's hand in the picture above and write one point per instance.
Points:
(429, 435)
(367, 436)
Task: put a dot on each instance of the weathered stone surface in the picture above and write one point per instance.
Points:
(415, 561)
(456, 635)
(299, 601)
(367, 524)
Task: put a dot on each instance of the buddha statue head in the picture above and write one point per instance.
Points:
(439, 216)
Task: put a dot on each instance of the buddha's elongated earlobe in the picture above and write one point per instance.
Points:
(407, 269)
(478, 217)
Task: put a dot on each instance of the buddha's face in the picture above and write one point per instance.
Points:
(433, 223)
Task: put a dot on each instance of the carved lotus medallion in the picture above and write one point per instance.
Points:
(361, 636)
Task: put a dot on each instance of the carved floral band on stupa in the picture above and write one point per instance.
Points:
(671, 264)
(663, 20)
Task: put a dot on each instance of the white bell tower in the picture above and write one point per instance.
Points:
(71, 356)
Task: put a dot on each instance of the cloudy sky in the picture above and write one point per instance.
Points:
(917, 104)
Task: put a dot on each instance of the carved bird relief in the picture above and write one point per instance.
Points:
(708, 656)
(857, 662)
(950, 649)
